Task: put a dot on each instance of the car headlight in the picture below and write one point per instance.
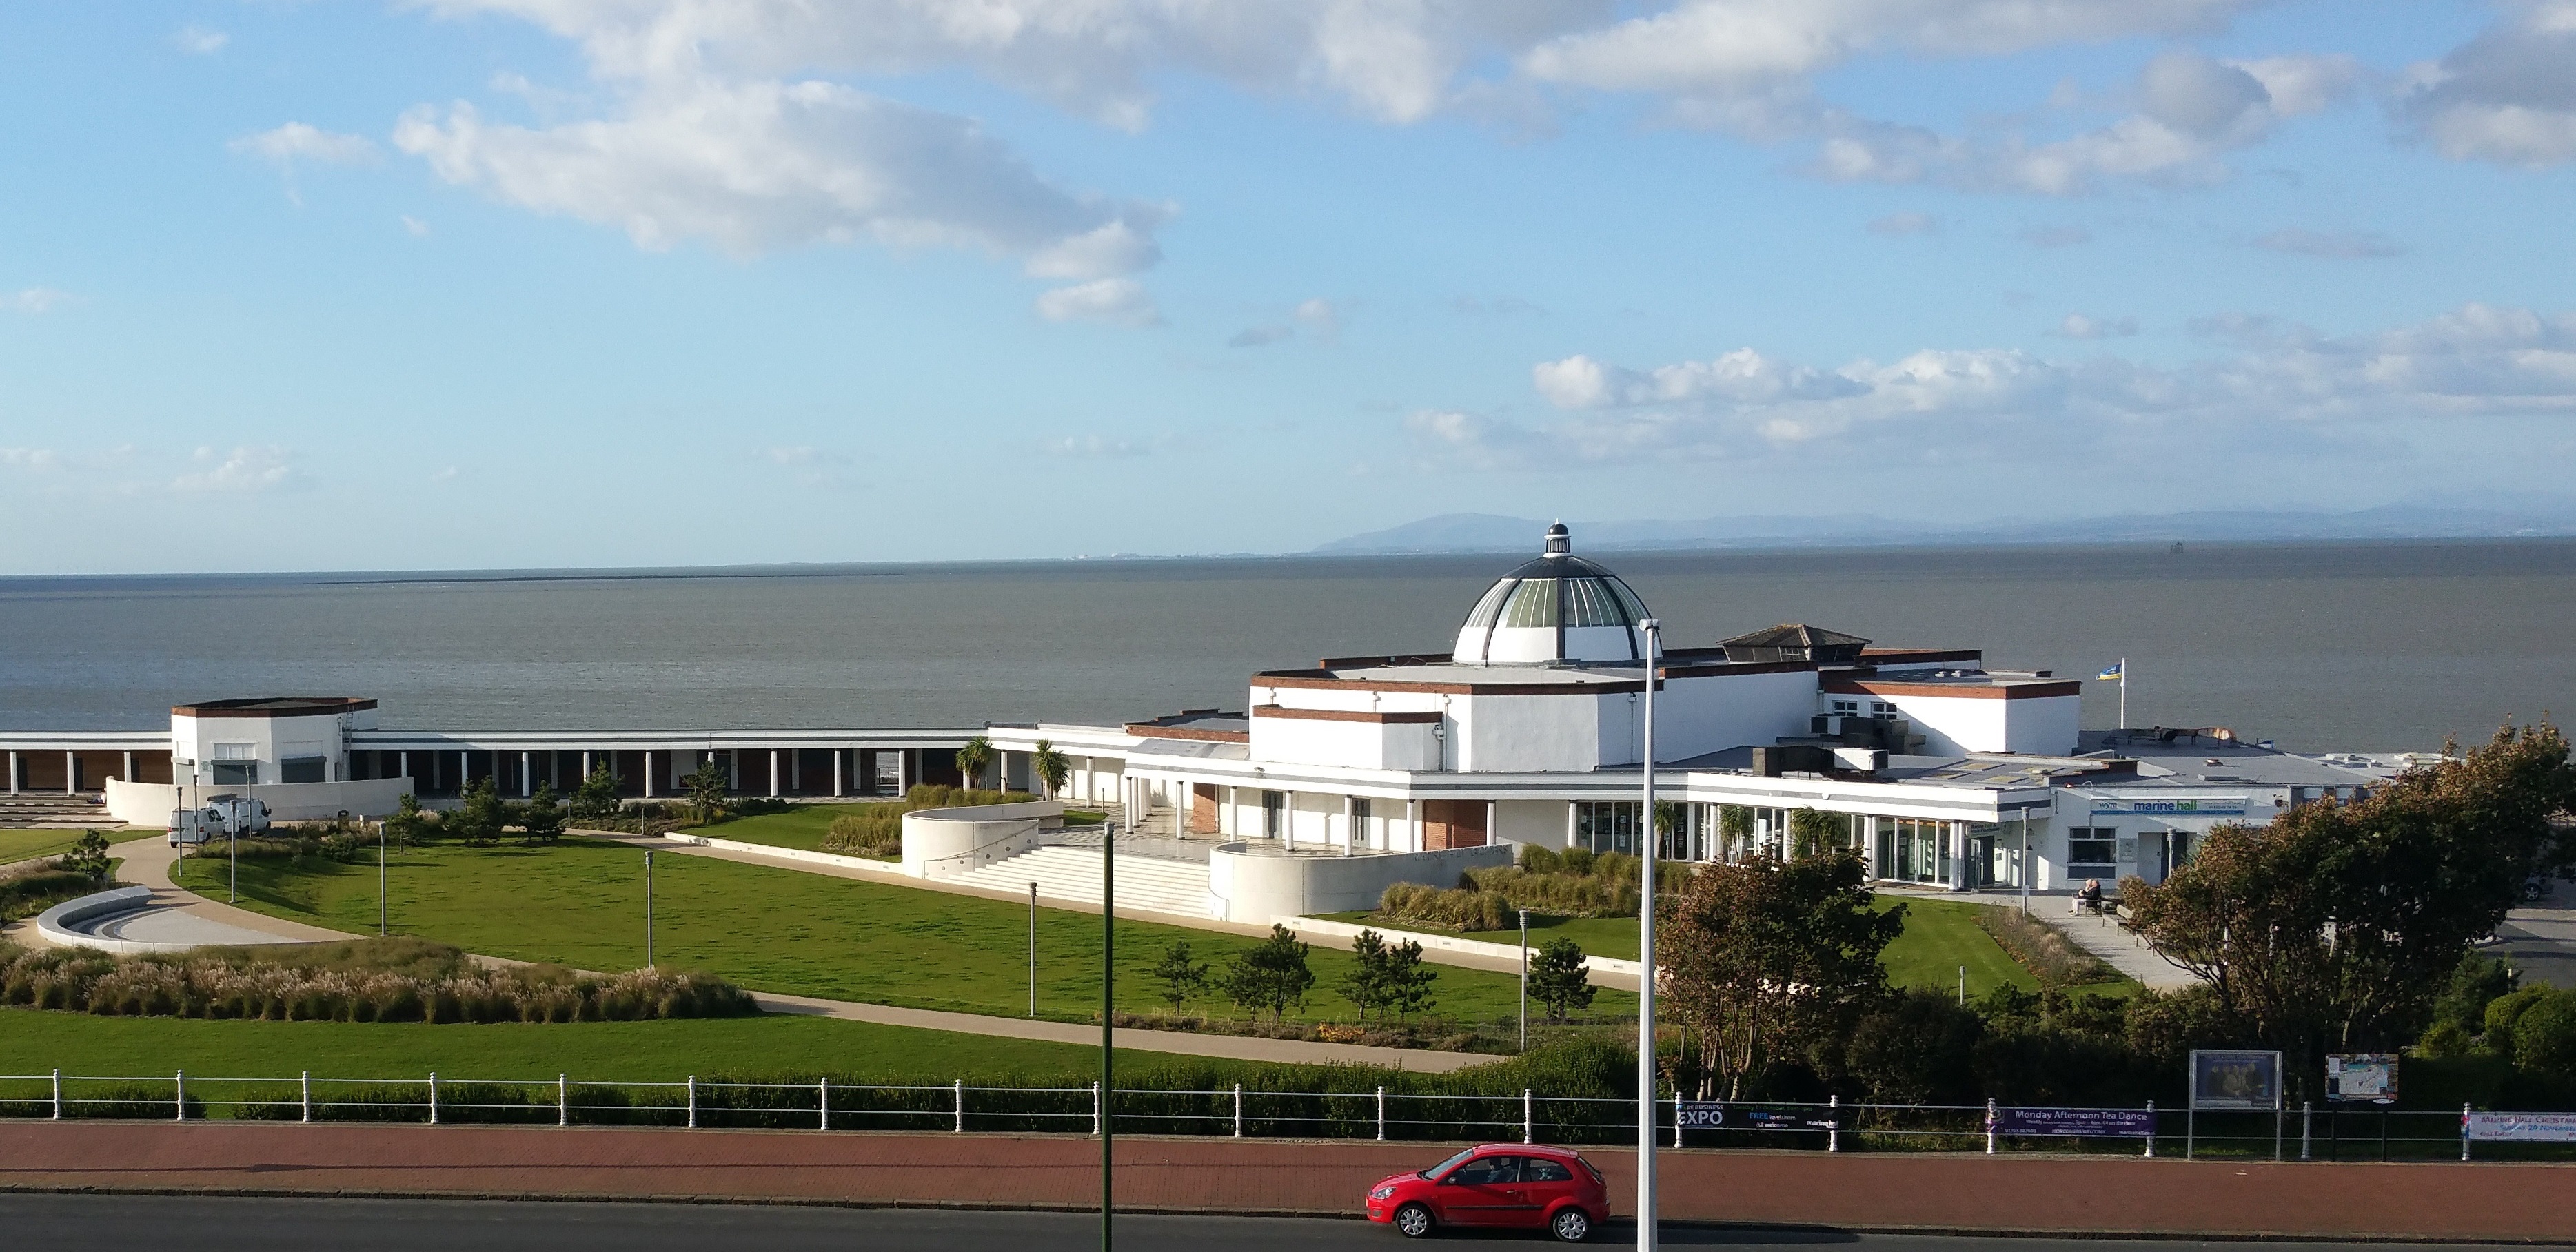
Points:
(1383, 1192)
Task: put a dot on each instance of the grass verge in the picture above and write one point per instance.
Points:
(21, 845)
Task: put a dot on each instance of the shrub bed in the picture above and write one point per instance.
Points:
(370, 980)
(2050, 957)
(877, 829)
(41, 886)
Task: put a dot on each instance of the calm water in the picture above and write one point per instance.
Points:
(2363, 646)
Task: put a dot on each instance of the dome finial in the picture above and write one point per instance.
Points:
(1559, 543)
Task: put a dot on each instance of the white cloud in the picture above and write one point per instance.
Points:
(1116, 301)
(763, 165)
(2079, 326)
(242, 471)
(200, 41)
(2507, 96)
(1260, 336)
(297, 141)
(2190, 111)
(30, 459)
(1321, 318)
(2479, 362)
(414, 227)
(34, 299)
(2342, 245)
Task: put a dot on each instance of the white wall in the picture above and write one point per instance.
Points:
(2045, 726)
(149, 804)
(1953, 725)
(1248, 886)
(1354, 745)
(1539, 822)
(1694, 716)
(1517, 733)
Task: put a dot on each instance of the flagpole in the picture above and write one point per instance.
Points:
(1646, 1232)
(2124, 693)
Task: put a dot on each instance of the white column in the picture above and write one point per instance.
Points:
(128, 775)
(527, 778)
(402, 760)
(902, 771)
(71, 771)
(836, 772)
(1413, 825)
(648, 773)
(585, 765)
(1350, 829)
(773, 773)
(13, 771)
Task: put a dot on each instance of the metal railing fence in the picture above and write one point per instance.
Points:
(959, 1108)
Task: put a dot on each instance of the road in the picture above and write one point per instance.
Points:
(257, 1224)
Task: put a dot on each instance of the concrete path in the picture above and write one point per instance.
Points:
(149, 863)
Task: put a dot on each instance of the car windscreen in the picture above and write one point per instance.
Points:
(1445, 1166)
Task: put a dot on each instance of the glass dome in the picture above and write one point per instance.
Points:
(1558, 608)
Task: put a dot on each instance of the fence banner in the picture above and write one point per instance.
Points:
(1714, 1115)
(2105, 1123)
(2523, 1127)
(1700, 1115)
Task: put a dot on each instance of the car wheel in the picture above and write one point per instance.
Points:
(1570, 1225)
(1413, 1221)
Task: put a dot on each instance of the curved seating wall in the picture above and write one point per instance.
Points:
(938, 843)
(1262, 887)
(66, 923)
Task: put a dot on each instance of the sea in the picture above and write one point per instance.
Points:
(2377, 646)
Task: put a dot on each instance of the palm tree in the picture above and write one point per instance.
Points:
(974, 759)
(1051, 767)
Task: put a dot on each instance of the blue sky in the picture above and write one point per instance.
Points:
(476, 283)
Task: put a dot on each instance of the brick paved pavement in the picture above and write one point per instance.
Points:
(1855, 1191)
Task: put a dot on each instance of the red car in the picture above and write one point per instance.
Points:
(1497, 1184)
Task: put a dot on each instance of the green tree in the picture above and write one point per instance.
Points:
(1271, 977)
(409, 825)
(1408, 979)
(479, 820)
(1768, 957)
(541, 817)
(1735, 832)
(1183, 978)
(1051, 767)
(87, 858)
(1812, 831)
(2338, 927)
(1559, 980)
(1365, 983)
(595, 800)
(974, 759)
(707, 789)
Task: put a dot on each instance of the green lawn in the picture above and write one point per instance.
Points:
(581, 903)
(37, 1041)
(1940, 936)
(21, 845)
(800, 827)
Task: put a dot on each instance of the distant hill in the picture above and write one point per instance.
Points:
(1488, 532)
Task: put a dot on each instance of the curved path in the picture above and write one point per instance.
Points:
(149, 862)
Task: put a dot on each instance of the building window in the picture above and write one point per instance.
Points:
(1358, 835)
(1912, 849)
(1882, 711)
(234, 773)
(301, 769)
(1846, 708)
(2092, 851)
(1606, 826)
(1274, 813)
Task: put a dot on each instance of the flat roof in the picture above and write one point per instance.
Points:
(273, 706)
(2196, 758)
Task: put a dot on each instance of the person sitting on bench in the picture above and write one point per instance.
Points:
(2087, 898)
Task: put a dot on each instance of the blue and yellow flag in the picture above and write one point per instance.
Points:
(2111, 672)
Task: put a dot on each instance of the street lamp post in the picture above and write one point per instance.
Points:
(1524, 980)
(1646, 964)
(648, 910)
(1108, 974)
(380, 878)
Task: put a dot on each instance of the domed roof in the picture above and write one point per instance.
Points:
(1555, 608)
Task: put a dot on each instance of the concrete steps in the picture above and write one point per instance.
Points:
(36, 810)
(1073, 875)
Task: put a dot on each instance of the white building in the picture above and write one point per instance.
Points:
(1938, 769)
